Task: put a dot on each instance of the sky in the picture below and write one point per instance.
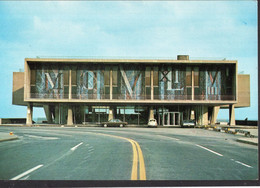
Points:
(127, 29)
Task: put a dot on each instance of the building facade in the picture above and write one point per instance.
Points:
(81, 91)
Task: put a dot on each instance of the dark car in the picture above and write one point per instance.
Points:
(114, 123)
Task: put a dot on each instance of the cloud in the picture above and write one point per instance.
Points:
(56, 31)
(152, 28)
(137, 29)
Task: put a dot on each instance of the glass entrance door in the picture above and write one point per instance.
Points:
(171, 119)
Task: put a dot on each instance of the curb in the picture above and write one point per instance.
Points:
(8, 139)
(228, 131)
(12, 125)
(247, 142)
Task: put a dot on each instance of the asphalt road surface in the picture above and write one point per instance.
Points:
(60, 153)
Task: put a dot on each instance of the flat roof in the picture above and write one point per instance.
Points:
(116, 61)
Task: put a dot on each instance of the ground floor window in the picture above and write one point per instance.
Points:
(165, 115)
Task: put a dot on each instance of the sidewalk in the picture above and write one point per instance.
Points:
(245, 134)
(252, 141)
(248, 140)
(7, 136)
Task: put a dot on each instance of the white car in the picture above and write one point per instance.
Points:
(189, 123)
(152, 123)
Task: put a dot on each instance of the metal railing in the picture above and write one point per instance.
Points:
(133, 97)
(47, 96)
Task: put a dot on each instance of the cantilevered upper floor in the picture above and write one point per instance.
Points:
(107, 81)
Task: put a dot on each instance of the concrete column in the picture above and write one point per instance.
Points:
(159, 118)
(57, 115)
(205, 115)
(124, 115)
(151, 115)
(63, 112)
(48, 113)
(111, 113)
(70, 116)
(232, 115)
(29, 114)
(82, 113)
(115, 112)
(192, 114)
(214, 115)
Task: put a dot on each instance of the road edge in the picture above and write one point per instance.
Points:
(247, 142)
(8, 139)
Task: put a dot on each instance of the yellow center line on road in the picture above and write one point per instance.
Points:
(136, 158)
(142, 172)
(135, 162)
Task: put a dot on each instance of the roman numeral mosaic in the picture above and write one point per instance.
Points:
(132, 81)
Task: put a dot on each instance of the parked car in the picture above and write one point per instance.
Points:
(152, 123)
(189, 123)
(114, 123)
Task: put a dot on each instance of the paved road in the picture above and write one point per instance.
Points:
(59, 153)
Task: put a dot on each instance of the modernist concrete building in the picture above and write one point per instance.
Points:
(79, 91)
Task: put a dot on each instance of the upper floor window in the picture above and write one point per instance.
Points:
(196, 76)
(188, 77)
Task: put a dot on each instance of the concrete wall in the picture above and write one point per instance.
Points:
(12, 121)
(243, 91)
(18, 89)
